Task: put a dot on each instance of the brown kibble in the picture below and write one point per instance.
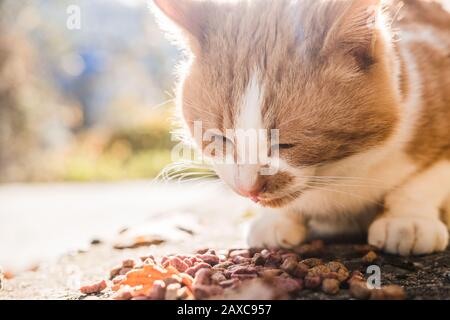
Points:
(229, 283)
(158, 290)
(359, 290)
(94, 288)
(177, 263)
(301, 271)
(184, 294)
(208, 258)
(192, 271)
(118, 279)
(320, 270)
(148, 258)
(377, 294)
(128, 263)
(287, 284)
(330, 286)
(289, 256)
(171, 280)
(114, 272)
(241, 260)
(336, 266)
(356, 276)
(364, 248)
(394, 292)
(204, 292)
(289, 265)
(124, 271)
(203, 277)
(218, 277)
(312, 262)
(241, 253)
(258, 259)
(274, 259)
(342, 275)
(123, 293)
(244, 276)
(339, 270)
(312, 282)
(172, 291)
(223, 265)
(243, 270)
(269, 273)
(370, 257)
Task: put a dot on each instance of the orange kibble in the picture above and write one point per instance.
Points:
(186, 279)
(141, 280)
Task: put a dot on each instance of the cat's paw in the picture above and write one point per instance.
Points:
(408, 235)
(275, 231)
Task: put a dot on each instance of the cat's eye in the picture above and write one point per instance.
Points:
(284, 146)
(287, 146)
(224, 139)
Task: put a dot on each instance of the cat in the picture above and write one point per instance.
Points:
(359, 91)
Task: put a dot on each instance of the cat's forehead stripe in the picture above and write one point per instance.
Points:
(249, 115)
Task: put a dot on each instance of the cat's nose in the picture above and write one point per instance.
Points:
(254, 192)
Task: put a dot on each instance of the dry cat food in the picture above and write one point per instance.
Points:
(210, 274)
(360, 290)
(94, 288)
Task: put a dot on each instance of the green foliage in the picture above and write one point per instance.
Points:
(138, 152)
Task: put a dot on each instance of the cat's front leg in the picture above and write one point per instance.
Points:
(276, 229)
(411, 223)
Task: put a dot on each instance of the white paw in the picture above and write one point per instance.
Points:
(275, 231)
(408, 235)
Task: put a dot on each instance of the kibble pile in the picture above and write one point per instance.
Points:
(210, 274)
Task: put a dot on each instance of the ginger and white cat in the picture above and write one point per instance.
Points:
(360, 93)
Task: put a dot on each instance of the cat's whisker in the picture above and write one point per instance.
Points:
(164, 103)
(344, 178)
(337, 184)
(376, 202)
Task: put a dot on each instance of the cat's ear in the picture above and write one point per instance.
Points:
(354, 31)
(182, 19)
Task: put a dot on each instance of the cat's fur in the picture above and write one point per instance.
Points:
(362, 102)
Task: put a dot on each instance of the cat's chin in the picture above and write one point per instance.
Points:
(281, 201)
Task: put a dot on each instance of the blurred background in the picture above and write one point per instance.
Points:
(87, 104)
(86, 113)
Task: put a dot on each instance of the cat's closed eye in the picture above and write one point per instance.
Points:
(224, 139)
(284, 146)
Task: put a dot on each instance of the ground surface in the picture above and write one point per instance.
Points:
(184, 225)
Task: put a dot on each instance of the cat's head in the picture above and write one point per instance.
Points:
(315, 70)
